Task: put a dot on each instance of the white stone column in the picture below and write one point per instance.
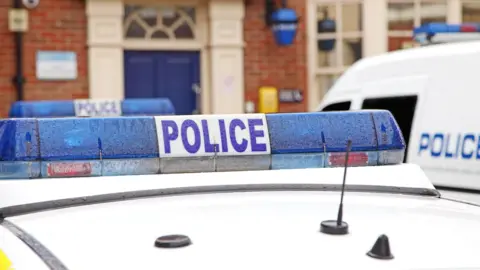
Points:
(454, 12)
(226, 56)
(312, 52)
(105, 50)
(375, 27)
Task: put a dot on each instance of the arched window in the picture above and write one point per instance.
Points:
(159, 22)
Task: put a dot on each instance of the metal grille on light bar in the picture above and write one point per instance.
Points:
(92, 108)
(68, 147)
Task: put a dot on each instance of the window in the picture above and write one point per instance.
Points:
(159, 22)
(402, 108)
(471, 11)
(340, 106)
(404, 15)
(339, 40)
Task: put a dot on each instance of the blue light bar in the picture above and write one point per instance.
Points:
(69, 147)
(92, 108)
(435, 28)
(443, 32)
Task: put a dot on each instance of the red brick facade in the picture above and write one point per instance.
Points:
(62, 25)
(53, 25)
(266, 64)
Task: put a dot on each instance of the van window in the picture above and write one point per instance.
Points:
(340, 106)
(402, 108)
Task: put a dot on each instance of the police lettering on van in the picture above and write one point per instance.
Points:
(446, 145)
(202, 136)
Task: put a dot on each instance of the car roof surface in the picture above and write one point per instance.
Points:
(262, 229)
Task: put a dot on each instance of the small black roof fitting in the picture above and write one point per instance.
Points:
(381, 249)
(332, 227)
(172, 241)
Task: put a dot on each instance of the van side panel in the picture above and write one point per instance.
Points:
(445, 140)
(445, 136)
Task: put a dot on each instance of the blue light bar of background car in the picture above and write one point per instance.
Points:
(66, 108)
(437, 28)
(438, 33)
(433, 28)
(43, 147)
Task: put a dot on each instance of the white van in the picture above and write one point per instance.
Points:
(434, 93)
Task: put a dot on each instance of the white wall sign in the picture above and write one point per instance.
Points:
(56, 65)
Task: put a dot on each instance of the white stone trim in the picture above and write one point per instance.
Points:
(162, 45)
(454, 11)
(105, 76)
(221, 52)
(226, 51)
(313, 95)
(105, 53)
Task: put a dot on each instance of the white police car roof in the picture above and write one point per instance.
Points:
(420, 53)
(267, 214)
(247, 230)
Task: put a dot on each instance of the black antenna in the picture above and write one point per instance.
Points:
(324, 150)
(28, 142)
(100, 153)
(215, 149)
(338, 227)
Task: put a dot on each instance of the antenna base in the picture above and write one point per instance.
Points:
(331, 227)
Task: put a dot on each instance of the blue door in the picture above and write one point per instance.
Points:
(172, 74)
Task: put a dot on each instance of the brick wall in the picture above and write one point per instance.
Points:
(61, 25)
(267, 64)
(396, 43)
(53, 25)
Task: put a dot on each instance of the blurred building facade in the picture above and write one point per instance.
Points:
(221, 49)
(372, 27)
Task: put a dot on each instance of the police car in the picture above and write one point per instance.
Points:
(253, 191)
(433, 93)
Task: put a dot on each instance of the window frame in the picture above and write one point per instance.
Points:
(136, 15)
(318, 72)
(339, 36)
(462, 6)
(417, 18)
